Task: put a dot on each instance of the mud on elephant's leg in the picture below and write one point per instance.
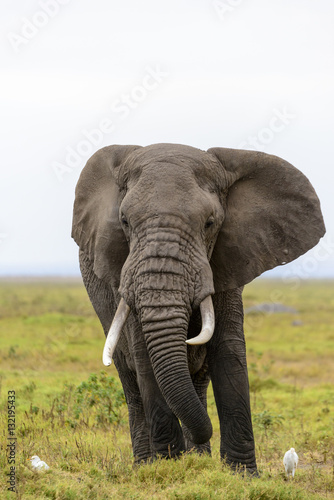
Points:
(201, 382)
(228, 370)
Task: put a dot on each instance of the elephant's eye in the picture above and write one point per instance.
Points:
(124, 220)
(209, 222)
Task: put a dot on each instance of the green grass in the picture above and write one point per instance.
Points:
(50, 344)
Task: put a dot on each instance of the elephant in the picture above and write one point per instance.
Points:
(168, 236)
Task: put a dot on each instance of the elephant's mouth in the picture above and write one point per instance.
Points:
(122, 313)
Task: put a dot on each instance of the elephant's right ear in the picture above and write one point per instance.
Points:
(96, 228)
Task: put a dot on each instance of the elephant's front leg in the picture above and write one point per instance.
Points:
(139, 430)
(228, 370)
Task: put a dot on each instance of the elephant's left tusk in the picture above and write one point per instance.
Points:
(208, 323)
(115, 331)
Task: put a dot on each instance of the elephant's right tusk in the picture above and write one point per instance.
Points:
(208, 323)
(115, 331)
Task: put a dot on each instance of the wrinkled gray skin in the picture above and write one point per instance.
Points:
(165, 226)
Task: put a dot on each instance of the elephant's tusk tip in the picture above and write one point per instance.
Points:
(196, 341)
(202, 338)
(106, 361)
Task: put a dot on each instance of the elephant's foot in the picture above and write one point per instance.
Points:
(248, 468)
(144, 460)
(200, 449)
(242, 469)
(253, 473)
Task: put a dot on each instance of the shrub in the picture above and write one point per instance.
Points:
(103, 393)
(99, 400)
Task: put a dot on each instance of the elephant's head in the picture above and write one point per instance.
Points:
(170, 225)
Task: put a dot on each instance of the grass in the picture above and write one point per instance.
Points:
(50, 345)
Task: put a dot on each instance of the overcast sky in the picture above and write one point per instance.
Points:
(79, 75)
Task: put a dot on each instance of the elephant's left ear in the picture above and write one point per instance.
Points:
(272, 217)
(96, 227)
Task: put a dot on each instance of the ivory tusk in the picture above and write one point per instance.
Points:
(208, 323)
(115, 331)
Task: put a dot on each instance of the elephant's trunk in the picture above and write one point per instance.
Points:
(167, 348)
(163, 303)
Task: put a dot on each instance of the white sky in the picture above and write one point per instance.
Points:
(224, 76)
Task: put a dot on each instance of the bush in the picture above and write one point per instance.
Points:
(104, 394)
(100, 398)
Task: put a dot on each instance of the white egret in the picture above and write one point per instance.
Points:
(37, 463)
(290, 462)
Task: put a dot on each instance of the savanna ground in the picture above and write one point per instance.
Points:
(73, 415)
